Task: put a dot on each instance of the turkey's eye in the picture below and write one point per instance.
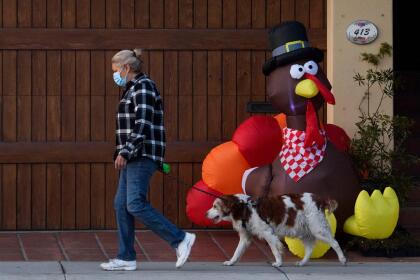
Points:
(296, 71)
(311, 67)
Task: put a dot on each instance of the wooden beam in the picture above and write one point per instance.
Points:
(166, 39)
(89, 152)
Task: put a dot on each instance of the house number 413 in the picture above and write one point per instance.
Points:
(362, 32)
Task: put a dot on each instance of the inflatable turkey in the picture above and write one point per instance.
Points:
(291, 152)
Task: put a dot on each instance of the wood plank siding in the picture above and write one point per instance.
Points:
(58, 99)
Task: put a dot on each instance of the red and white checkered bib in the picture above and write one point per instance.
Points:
(296, 160)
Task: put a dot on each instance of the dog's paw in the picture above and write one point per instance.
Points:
(276, 264)
(300, 263)
(343, 261)
(228, 263)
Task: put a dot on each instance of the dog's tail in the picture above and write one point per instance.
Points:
(325, 203)
(331, 205)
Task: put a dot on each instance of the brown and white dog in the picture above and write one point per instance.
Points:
(272, 218)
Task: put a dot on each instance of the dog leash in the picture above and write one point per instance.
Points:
(166, 169)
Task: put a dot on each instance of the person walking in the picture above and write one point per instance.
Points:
(140, 149)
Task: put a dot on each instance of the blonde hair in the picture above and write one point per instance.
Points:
(130, 57)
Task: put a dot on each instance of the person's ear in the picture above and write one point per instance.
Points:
(127, 69)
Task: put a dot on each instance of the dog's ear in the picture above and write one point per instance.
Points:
(228, 203)
(241, 211)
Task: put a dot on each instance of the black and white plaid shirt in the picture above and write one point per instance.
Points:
(140, 130)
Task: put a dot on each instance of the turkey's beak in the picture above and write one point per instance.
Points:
(325, 92)
(306, 88)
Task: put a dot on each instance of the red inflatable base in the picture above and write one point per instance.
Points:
(198, 203)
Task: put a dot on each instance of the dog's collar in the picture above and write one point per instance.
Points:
(251, 202)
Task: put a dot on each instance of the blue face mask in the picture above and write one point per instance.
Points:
(120, 81)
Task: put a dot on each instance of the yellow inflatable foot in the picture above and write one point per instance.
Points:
(375, 217)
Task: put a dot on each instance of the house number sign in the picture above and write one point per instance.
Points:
(362, 32)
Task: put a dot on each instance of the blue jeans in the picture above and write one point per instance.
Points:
(131, 202)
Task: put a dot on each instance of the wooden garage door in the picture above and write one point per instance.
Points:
(58, 99)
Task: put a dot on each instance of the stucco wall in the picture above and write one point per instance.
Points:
(344, 57)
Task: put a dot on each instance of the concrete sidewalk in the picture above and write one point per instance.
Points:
(209, 270)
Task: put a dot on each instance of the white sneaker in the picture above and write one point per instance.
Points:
(116, 264)
(184, 249)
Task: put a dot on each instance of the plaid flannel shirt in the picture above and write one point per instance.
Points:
(140, 130)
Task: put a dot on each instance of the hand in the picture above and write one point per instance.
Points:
(120, 162)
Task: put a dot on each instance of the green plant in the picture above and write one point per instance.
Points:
(378, 151)
(378, 148)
